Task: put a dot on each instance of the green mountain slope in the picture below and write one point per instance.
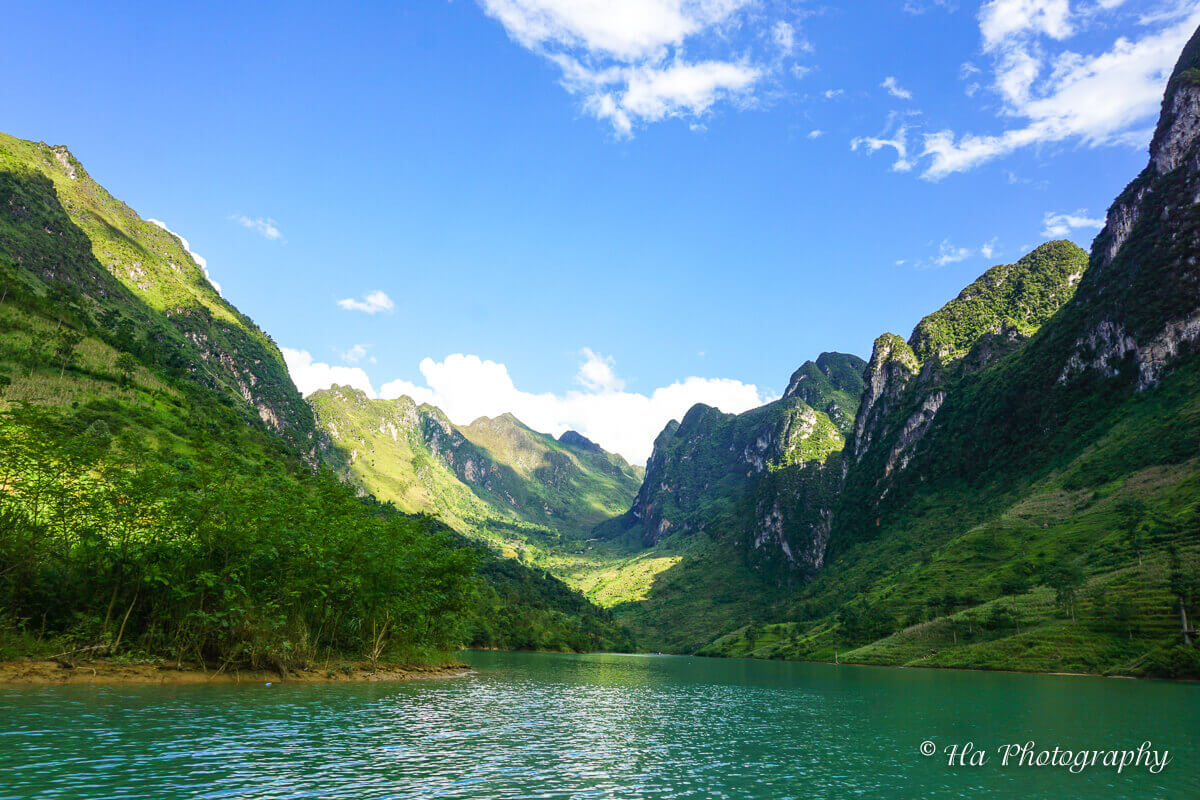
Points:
(495, 479)
(1029, 499)
(158, 495)
(66, 240)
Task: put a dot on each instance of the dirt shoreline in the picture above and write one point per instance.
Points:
(103, 672)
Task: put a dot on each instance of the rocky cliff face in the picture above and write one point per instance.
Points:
(139, 282)
(907, 382)
(1021, 369)
(764, 478)
(832, 384)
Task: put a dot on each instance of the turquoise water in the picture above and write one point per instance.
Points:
(597, 726)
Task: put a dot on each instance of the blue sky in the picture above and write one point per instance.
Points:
(607, 210)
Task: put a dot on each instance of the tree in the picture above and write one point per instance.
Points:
(751, 635)
(1133, 528)
(1066, 579)
(126, 364)
(1184, 585)
(65, 342)
(1000, 616)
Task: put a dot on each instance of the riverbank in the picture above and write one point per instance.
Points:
(101, 672)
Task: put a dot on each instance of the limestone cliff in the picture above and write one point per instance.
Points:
(907, 382)
(1142, 294)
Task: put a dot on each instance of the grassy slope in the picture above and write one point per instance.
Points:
(496, 480)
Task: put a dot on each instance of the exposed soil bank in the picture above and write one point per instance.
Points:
(108, 672)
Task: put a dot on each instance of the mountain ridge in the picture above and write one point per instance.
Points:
(496, 478)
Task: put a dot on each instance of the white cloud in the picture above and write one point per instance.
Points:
(268, 228)
(898, 142)
(309, 375)
(832, 93)
(371, 303)
(894, 88)
(201, 262)
(1060, 225)
(626, 58)
(628, 30)
(355, 354)
(467, 387)
(598, 373)
(651, 93)
(1001, 19)
(949, 254)
(784, 35)
(816, 133)
(1106, 98)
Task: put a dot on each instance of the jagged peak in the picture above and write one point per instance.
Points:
(1179, 123)
(839, 371)
(341, 391)
(892, 347)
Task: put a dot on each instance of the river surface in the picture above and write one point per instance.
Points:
(532, 725)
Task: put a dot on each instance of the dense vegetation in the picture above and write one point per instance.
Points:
(832, 385)
(1039, 525)
(78, 255)
(216, 556)
(1016, 486)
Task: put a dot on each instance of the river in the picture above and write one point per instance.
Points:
(535, 725)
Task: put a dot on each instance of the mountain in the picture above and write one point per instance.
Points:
(770, 467)
(495, 479)
(750, 492)
(159, 489)
(1022, 479)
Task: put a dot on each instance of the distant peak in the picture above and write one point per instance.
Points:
(839, 371)
(579, 441)
(507, 419)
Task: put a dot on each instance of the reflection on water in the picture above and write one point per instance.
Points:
(598, 726)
